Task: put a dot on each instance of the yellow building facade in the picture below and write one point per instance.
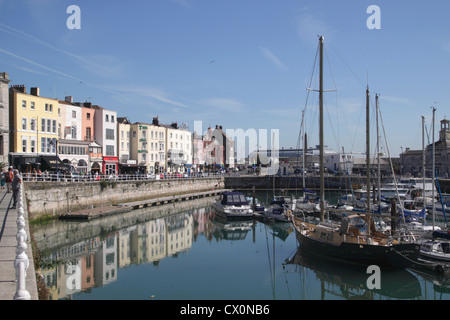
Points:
(148, 146)
(33, 127)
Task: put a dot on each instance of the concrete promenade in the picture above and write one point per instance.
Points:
(8, 245)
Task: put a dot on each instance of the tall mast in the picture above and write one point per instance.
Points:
(322, 177)
(434, 174)
(368, 149)
(304, 148)
(378, 159)
(423, 163)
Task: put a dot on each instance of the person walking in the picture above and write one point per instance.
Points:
(2, 179)
(16, 183)
(9, 178)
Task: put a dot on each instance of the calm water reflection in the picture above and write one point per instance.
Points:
(180, 251)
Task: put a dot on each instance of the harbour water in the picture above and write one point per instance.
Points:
(182, 252)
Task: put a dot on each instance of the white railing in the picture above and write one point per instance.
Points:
(21, 263)
(76, 177)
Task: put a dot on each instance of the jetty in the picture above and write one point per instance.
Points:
(107, 210)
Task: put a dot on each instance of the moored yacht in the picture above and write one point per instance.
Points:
(233, 205)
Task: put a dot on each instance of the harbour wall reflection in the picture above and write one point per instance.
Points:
(143, 236)
(91, 254)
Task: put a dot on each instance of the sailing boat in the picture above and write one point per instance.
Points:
(419, 229)
(355, 239)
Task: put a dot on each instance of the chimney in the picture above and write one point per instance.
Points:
(156, 121)
(68, 99)
(19, 87)
(4, 77)
(174, 125)
(34, 91)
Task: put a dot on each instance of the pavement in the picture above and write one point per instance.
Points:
(8, 245)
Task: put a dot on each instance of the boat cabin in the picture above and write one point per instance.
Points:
(236, 199)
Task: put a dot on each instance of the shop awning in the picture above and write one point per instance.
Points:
(50, 162)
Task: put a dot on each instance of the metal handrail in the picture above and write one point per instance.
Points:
(76, 177)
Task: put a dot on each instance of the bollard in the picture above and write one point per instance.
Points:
(21, 263)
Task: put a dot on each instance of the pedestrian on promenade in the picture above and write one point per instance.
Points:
(16, 183)
(9, 178)
(3, 179)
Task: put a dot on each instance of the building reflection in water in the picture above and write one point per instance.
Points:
(95, 262)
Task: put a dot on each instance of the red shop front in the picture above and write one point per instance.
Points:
(111, 165)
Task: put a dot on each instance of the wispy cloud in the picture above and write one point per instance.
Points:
(225, 104)
(183, 3)
(152, 93)
(102, 65)
(32, 71)
(395, 99)
(39, 65)
(309, 27)
(446, 46)
(273, 59)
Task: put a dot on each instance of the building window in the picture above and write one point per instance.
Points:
(88, 133)
(24, 123)
(54, 126)
(49, 145)
(43, 125)
(33, 124)
(24, 104)
(43, 144)
(32, 105)
(112, 119)
(106, 118)
(33, 145)
(110, 150)
(74, 132)
(24, 144)
(74, 114)
(88, 116)
(110, 134)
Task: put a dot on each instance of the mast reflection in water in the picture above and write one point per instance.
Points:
(182, 252)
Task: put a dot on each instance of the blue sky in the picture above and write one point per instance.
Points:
(242, 64)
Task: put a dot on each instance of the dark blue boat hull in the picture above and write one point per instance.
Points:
(399, 256)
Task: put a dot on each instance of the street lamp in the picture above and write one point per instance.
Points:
(36, 124)
(54, 142)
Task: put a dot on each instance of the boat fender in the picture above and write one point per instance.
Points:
(439, 269)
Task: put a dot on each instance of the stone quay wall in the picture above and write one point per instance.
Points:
(52, 198)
